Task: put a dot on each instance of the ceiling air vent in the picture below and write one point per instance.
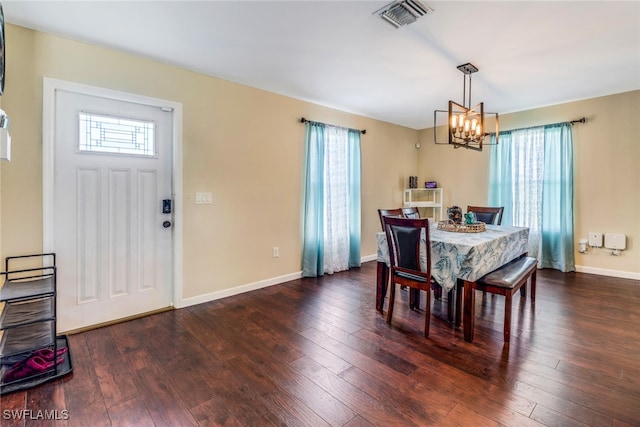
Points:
(403, 12)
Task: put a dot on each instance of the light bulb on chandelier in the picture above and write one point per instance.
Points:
(463, 127)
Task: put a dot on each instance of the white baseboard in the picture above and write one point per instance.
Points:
(369, 258)
(579, 268)
(607, 272)
(186, 302)
(212, 296)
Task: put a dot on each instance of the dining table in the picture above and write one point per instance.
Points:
(458, 260)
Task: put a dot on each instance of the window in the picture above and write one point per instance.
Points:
(332, 169)
(106, 134)
(531, 175)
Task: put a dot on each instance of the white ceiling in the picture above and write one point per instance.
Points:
(339, 54)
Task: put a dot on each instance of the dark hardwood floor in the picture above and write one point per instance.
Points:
(315, 352)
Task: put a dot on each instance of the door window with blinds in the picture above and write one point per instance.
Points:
(116, 135)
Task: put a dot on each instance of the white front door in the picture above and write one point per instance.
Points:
(112, 233)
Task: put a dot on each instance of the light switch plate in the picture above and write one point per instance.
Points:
(203, 198)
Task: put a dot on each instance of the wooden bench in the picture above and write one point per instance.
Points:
(507, 280)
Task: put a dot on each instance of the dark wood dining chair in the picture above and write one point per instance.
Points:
(395, 213)
(412, 212)
(487, 214)
(404, 240)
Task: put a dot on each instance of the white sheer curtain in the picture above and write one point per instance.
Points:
(527, 172)
(336, 198)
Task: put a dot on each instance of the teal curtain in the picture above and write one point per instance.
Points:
(355, 174)
(313, 228)
(531, 175)
(332, 200)
(500, 173)
(557, 199)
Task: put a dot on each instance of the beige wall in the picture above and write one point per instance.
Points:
(607, 172)
(243, 145)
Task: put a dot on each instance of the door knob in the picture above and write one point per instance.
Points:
(166, 224)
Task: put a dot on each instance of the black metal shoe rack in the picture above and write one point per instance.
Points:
(28, 322)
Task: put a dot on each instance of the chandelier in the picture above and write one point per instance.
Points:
(466, 124)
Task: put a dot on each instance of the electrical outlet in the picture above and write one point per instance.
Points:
(276, 252)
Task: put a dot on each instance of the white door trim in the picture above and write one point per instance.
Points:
(49, 88)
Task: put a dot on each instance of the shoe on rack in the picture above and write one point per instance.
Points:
(47, 353)
(32, 366)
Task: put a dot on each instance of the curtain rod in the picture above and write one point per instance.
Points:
(572, 122)
(303, 120)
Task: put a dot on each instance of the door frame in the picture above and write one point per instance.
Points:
(49, 88)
